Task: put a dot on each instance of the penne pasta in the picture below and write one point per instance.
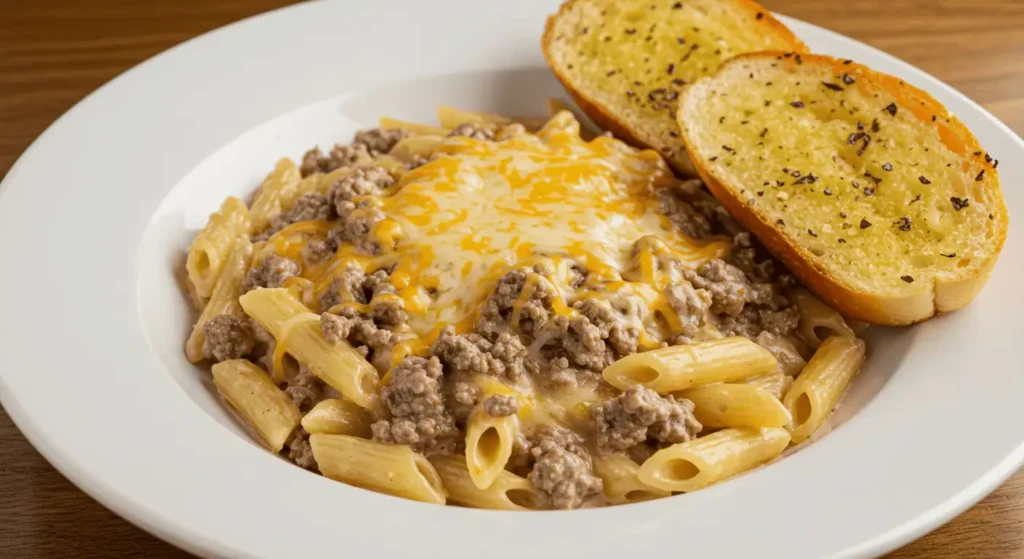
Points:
(408, 149)
(675, 368)
(791, 362)
(212, 246)
(265, 408)
(818, 320)
(224, 299)
(414, 128)
(336, 416)
(775, 383)
(277, 190)
(706, 460)
(621, 480)
(819, 387)
(588, 130)
(507, 492)
(297, 331)
(489, 442)
(386, 468)
(736, 405)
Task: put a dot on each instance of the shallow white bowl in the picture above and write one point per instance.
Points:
(95, 216)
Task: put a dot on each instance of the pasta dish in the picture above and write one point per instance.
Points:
(509, 314)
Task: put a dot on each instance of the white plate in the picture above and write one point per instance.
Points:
(96, 214)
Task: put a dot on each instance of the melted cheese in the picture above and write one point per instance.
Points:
(454, 226)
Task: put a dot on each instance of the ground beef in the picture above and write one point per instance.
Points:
(620, 337)
(305, 389)
(497, 311)
(308, 207)
(501, 406)
(300, 451)
(318, 250)
(727, 284)
(360, 182)
(579, 341)
(462, 400)
(314, 161)
(418, 415)
(562, 469)
(352, 284)
(559, 374)
(473, 131)
(361, 333)
(474, 354)
(639, 414)
(226, 337)
(745, 257)
(263, 351)
(691, 306)
(356, 227)
(779, 322)
(271, 272)
(682, 214)
(388, 313)
(379, 141)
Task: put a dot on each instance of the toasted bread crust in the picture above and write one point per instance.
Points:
(946, 293)
(622, 128)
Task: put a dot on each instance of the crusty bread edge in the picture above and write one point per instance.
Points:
(607, 119)
(946, 293)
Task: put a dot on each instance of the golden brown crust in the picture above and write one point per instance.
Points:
(621, 128)
(947, 292)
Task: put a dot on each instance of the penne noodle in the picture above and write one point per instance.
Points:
(791, 362)
(489, 442)
(212, 246)
(297, 331)
(412, 147)
(775, 383)
(736, 405)
(675, 368)
(507, 492)
(819, 387)
(621, 480)
(386, 468)
(265, 408)
(224, 299)
(336, 416)
(706, 460)
(277, 190)
(387, 123)
(588, 130)
(818, 320)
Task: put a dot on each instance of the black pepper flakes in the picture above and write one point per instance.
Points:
(959, 203)
(677, 6)
(908, 279)
(795, 174)
(827, 191)
(631, 32)
(847, 79)
(841, 240)
(924, 180)
(811, 178)
(842, 215)
(797, 104)
(611, 73)
(678, 82)
(980, 176)
(721, 119)
(780, 222)
(832, 86)
(760, 15)
(864, 224)
(891, 109)
(671, 68)
(950, 255)
(799, 60)
(763, 132)
(767, 102)
(812, 233)
(916, 199)
(689, 52)
(903, 224)
(988, 158)
(872, 177)
(874, 125)
(713, 158)
(845, 62)
(887, 166)
(728, 149)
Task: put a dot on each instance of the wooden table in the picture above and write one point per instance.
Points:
(53, 53)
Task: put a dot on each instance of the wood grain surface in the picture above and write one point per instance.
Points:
(53, 53)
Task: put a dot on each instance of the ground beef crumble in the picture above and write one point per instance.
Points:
(501, 406)
(473, 354)
(314, 161)
(473, 131)
(226, 337)
(308, 207)
(373, 342)
(640, 414)
(562, 468)
(379, 141)
(300, 451)
(418, 414)
(271, 272)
